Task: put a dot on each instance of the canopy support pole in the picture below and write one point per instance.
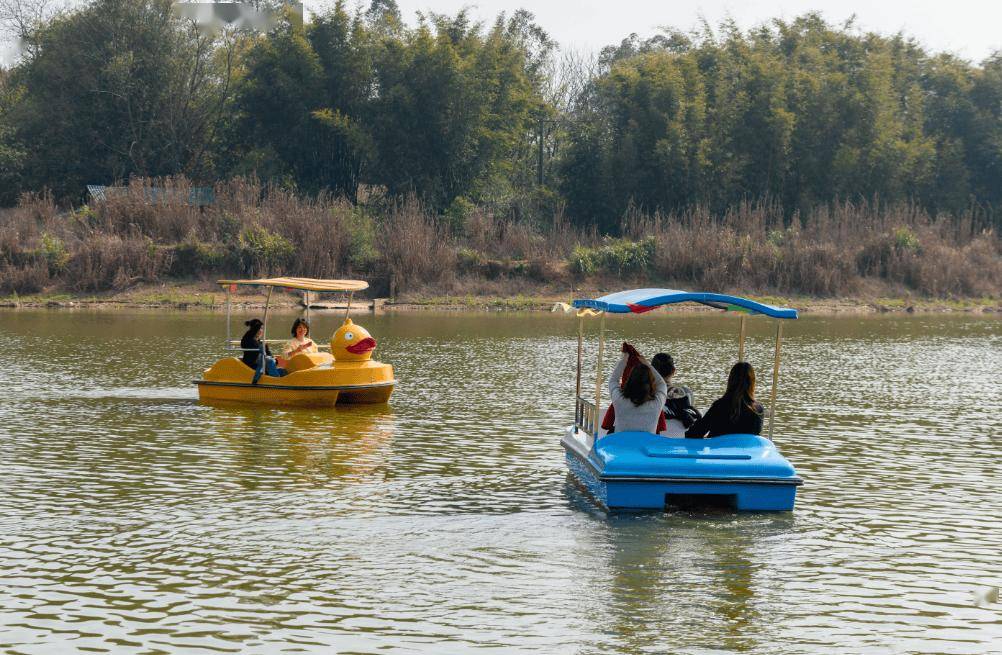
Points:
(306, 299)
(267, 305)
(598, 372)
(775, 378)
(741, 339)
(348, 308)
(577, 382)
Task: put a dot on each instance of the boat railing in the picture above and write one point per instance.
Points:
(585, 416)
(234, 344)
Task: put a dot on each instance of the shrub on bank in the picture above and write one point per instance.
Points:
(27, 277)
(195, 258)
(53, 251)
(109, 261)
(620, 257)
(262, 252)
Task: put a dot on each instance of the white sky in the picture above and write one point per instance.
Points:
(971, 29)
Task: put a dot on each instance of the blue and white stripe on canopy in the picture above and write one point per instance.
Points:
(638, 301)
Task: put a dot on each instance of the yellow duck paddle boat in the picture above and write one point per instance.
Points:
(345, 374)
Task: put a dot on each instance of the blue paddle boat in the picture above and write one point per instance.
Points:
(641, 470)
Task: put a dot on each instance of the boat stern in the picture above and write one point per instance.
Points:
(639, 470)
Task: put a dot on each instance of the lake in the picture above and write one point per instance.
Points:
(136, 520)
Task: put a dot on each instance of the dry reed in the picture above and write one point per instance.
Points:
(151, 231)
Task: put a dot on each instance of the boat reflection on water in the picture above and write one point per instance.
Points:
(673, 578)
(283, 446)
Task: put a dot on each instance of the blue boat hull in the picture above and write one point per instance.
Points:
(641, 471)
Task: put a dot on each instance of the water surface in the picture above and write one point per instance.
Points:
(136, 520)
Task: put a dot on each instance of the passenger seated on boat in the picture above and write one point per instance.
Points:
(679, 408)
(251, 345)
(736, 412)
(300, 342)
(639, 403)
(609, 420)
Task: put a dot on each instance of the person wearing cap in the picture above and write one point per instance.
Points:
(680, 409)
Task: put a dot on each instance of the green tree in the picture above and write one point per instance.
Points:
(274, 131)
(116, 89)
(453, 103)
(383, 17)
(11, 156)
(300, 101)
(344, 46)
(799, 112)
(983, 141)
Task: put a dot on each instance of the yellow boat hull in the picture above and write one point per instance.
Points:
(320, 385)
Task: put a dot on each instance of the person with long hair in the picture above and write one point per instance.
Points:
(252, 347)
(639, 402)
(736, 412)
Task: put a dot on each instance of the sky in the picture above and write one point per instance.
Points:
(971, 29)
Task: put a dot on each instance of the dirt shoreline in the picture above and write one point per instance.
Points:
(210, 298)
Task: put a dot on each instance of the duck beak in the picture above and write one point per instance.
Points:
(365, 345)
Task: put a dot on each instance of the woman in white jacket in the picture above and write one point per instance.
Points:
(639, 403)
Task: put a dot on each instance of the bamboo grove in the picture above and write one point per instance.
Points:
(802, 112)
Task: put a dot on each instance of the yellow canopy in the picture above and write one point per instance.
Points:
(304, 283)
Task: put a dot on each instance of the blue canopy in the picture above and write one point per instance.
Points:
(638, 301)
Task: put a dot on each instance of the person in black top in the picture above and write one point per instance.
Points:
(736, 412)
(251, 344)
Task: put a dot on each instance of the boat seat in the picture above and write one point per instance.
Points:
(304, 361)
(676, 429)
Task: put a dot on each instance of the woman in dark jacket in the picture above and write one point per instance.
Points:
(736, 412)
(251, 344)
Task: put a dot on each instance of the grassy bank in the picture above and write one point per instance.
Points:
(129, 244)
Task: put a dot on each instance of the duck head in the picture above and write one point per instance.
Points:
(352, 343)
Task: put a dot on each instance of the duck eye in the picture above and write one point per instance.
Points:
(348, 336)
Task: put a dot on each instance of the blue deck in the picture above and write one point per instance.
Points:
(639, 470)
